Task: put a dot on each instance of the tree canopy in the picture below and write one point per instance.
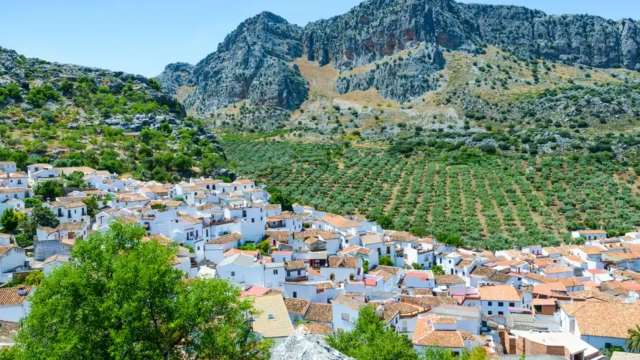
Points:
(121, 298)
(370, 339)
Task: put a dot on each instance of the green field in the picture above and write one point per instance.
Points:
(492, 202)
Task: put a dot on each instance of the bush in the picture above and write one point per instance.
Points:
(488, 148)
(39, 96)
(385, 261)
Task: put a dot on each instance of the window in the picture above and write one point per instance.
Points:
(198, 248)
(500, 304)
(490, 303)
(275, 272)
(345, 317)
(253, 220)
(388, 249)
(295, 295)
(299, 273)
(233, 273)
(490, 312)
(340, 331)
(500, 313)
(512, 304)
(379, 252)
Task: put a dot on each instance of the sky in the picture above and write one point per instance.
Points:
(143, 36)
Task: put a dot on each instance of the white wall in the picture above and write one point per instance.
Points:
(14, 312)
(272, 280)
(338, 322)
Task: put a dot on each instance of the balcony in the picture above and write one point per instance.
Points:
(298, 279)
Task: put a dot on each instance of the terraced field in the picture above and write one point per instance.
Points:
(492, 202)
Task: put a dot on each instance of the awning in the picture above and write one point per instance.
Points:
(318, 255)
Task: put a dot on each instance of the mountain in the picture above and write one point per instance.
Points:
(253, 62)
(256, 61)
(34, 89)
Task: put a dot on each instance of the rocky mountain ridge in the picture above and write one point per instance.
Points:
(254, 62)
(85, 96)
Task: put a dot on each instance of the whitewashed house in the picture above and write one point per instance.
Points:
(345, 312)
(589, 321)
(242, 269)
(14, 303)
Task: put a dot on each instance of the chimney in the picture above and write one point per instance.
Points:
(22, 290)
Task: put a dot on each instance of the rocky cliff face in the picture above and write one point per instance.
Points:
(176, 76)
(575, 39)
(378, 28)
(401, 79)
(252, 63)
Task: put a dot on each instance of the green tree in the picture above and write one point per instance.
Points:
(278, 197)
(92, 206)
(38, 96)
(385, 261)
(122, 299)
(31, 202)
(40, 216)
(385, 222)
(34, 278)
(74, 179)
(370, 339)
(50, 189)
(264, 247)
(437, 270)
(154, 84)
(9, 220)
(417, 266)
(182, 163)
(66, 86)
(633, 342)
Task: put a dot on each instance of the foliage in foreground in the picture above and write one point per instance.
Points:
(121, 299)
(370, 339)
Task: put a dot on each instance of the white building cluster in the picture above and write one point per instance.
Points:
(311, 269)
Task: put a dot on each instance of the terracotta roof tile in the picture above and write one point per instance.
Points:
(296, 305)
(348, 302)
(498, 292)
(448, 279)
(226, 239)
(343, 261)
(295, 265)
(319, 312)
(590, 320)
(10, 296)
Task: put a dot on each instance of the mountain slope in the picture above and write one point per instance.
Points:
(255, 61)
(82, 96)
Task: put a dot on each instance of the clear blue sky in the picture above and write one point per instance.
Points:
(142, 36)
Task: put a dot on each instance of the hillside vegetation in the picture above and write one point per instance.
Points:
(71, 115)
(490, 201)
